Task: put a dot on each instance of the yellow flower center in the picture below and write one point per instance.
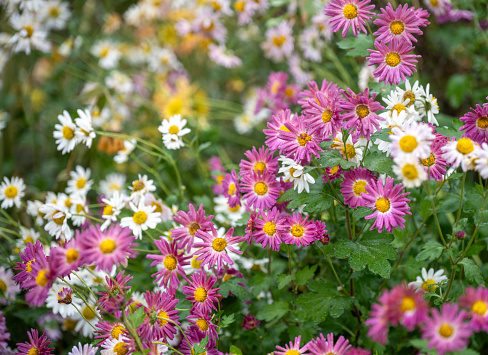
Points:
(11, 192)
(408, 303)
(232, 189)
(29, 30)
(408, 143)
(104, 52)
(41, 278)
(240, 5)
(334, 169)
(327, 116)
(303, 139)
(393, 59)
(297, 231)
(382, 204)
(234, 209)
(292, 171)
(116, 331)
(349, 151)
(428, 161)
(350, 11)
(59, 220)
(162, 322)
(398, 108)
(289, 92)
(108, 210)
(29, 240)
(261, 188)
(88, 313)
(269, 228)
(68, 202)
(28, 266)
(202, 324)
(71, 256)
(158, 208)
(479, 307)
(170, 262)
(140, 217)
(410, 171)
(278, 41)
(434, 3)
(362, 110)
(68, 133)
(173, 129)
(196, 264)
(79, 209)
(107, 246)
(200, 294)
(219, 244)
(409, 95)
(397, 27)
(283, 128)
(137, 185)
(194, 227)
(33, 351)
(465, 146)
(120, 348)
(259, 167)
(482, 122)
(54, 12)
(359, 187)
(292, 351)
(70, 324)
(429, 285)
(80, 183)
(445, 330)
(3, 286)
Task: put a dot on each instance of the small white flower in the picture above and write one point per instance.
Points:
(54, 14)
(57, 217)
(140, 187)
(115, 346)
(113, 208)
(63, 309)
(78, 207)
(223, 56)
(80, 182)
(33, 211)
(279, 42)
(397, 102)
(30, 34)
(65, 133)
(311, 44)
(482, 161)
(123, 155)
(29, 235)
(429, 106)
(162, 60)
(414, 140)
(173, 142)
(9, 287)
(410, 172)
(173, 129)
(429, 280)
(84, 131)
(107, 52)
(86, 349)
(366, 76)
(119, 82)
(294, 172)
(112, 183)
(144, 218)
(352, 151)
(245, 122)
(166, 213)
(11, 191)
(460, 153)
(413, 93)
(224, 213)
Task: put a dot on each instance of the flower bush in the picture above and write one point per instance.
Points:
(228, 177)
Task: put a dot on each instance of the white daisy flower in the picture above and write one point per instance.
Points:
(162, 60)
(221, 55)
(352, 151)
(65, 133)
(365, 76)
(112, 183)
(64, 309)
(429, 106)
(107, 52)
(29, 235)
(119, 82)
(51, 197)
(395, 120)
(410, 171)
(245, 122)
(144, 218)
(195, 265)
(80, 182)
(33, 211)
(57, 217)
(429, 280)
(481, 163)
(78, 209)
(224, 213)
(294, 172)
(140, 187)
(123, 155)
(413, 93)
(86, 349)
(115, 346)
(460, 153)
(173, 142)
(396, 102)
(29, 5)
(30, 34)
(414, 140)
(137, 299)
(8, 287)
(84, 131)
(93, 277)
(311, 44)
(113, 208)
(279, 42)
(54, 14)
(174, 126)
(87, 322)
(11, 191)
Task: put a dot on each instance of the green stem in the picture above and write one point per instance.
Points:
(348, 224)
(159, 342)
(333, 269)
(132, 332)
(370, 31)
(451, 279)
(461, 200)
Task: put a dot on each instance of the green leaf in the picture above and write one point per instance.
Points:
(373, 249)
(448, 204)
(448, 132)
(472, 271)
(332, 157)
(227, 320)
(379, 163)
(362, 212)
(305, 274)
(321, 301)
(431, 251)
(359, 46)
(384, 135)
(420, 344)
(273, 311)
(318, 200)
(138, 316)
(233, 286)
(481, 216)
(234, 350)
(200, 347)
(401, 238)
(284, 280)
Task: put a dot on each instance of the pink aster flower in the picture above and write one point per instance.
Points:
(422, 16)
(435, 164)
(270, 228)
(276, 84)
(250, 322)
(36, 345)
(389, 204)
(324, 114)
(400, 24)
(113, 299)
(214, 248)
(277, 124)
(447, 331)
(328, 89)
(260, 190)
(291, 348)
(172, 264)
(4, 334)
(348, 13)
(232, 189)
(201, 293)
(261, 161)
(360, 116)
(354, 184)
(300, 231)
(251, 227)
(378, 321)
(203, 324)
(298, 142)
(476, 124)
(321, 346)
(67, 258)
(29, 255)
(413, 309)
(394, 62)
(113, 246)
(191, 222)
(108, 330)
(332, 173)
(476, 300)
(159, 304)
(195, 337)
(41, 281)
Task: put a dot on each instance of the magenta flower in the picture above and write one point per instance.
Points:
(284, 186)
(191, 222)
(328, 89)
(378, 321)
(36, 345)
(413, 309)
(159, 304)
(203, 324)
(270, 228)
(321, 346)
(332, 173)
(300, 231)
(388, 203)
(277, 125)
(291, 348)
(435, 164)
(201, 293)
(41, 281)
(4, 334)
(31, 252)
(447, 331)
(195, 337)
(113, 299)
(250, 322)
(108, 330)
(232, 189)
(276, 85)
(108, 248)
(476, 124)
(251, 227)
(354, 184)
(394, 62)
(348, 13)
(298, 142)
(321, 233)
(360, 116)
(261, 161)
(214, 248)
(324, 114)
(400, 24)
(67, 258)
(260, 190)
(358, 351)
(476, 300)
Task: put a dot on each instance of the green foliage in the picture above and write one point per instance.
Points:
(379, 163)
(430, 251)
(234, 350)
(332, 157)
(227, 320)
(303, 275)
(472, 271)
(233, 286)
(358, 46)
(284, 280)
(318, 200)
(273, 311)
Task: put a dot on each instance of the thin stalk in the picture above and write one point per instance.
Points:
(181, 330)
(348, 224)
(461, 200)
(451, 279)
(83, 316)
(333, 269)
(370, 31)
(74, 273)
(132, 332)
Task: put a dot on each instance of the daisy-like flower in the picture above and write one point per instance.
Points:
(410, 171)
(140, 187)
(269, 229)
(78, 209)
(172, 264)
(86, 349)
(7, 285)
(378, 320)
(28, 256)
(429, 106)
(57, 217)
(107, 52)
(80, 182)
(54, 14)
(259, 161)
(476, 124)
(106, 249)
(293, 347)
(66, 258)
(29, 235)
(33, 210)
(36, 345)
(215, 247)
(108, 330)
(298, 142)
(323, 114)
(191, 222)
(11, 191)
(400, 102)
(412, 93)
(65, 133)
(123, 155)
(351, 151)
(252, 115)
(332, 173)
(311, 44)
(299, 231)
(173, 129)
(84, 131)
(203, 324)
(394, 62)
(407, 307)
(400, 24)
(200, 292)
(348, 13)
(476, 300)
(481, 163)
(321, 346)
(245, 9)
(429, 281)
(41, 281)
(60, 299)
(354, 184)
(279, 42)
(227, 214)
(86, 323)
(293, 171)
(116, 346)
(388, 203)
(30, 34)
(275, 126)
(360, 117)
(113, 207)
(446, 330)
(460, 153)
(413, 141)
(223, 56)
(435, 165)
(195, 337)
(260, 190)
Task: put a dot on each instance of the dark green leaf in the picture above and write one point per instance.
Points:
(448, 204)
(359, 45)
(284, 280)
(200, 347)
(233, 286)
(234, 350)
(472, 271)
(317, 200)
(379, 163)
(273, 311)
(305, 274)
(332, 157)
(226, 321)
(362, 212)
(138, 316)
(431, 251)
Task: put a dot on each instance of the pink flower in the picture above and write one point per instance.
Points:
(108, 330)
(378, 321)
(394, 62)
(260, 190)
(277, 124)
(324, 114)
(435, 164)
(413, 309)
(232, 189)
(332, 173)
(358, 351)
(213, 250)
(300, 231)
(201, 293)
(114, 298)
(328, 89)
(261, 161)
(270, 228)
(203, 325)
(321, 346)
(279, 41)
(389, 204)
(191, 222)
(195, 337)
(67, 258)
(476, 124)
(291, 348)
(250, 322)
(4, 334)
(400, 24)
(159, 304)
(41, 281)
(36, 345)
(251, 227)
(298, 142)
(354, 184)
(476, 300)
(348, 13)
(31, 252)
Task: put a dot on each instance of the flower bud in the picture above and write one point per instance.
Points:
(461, 235)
